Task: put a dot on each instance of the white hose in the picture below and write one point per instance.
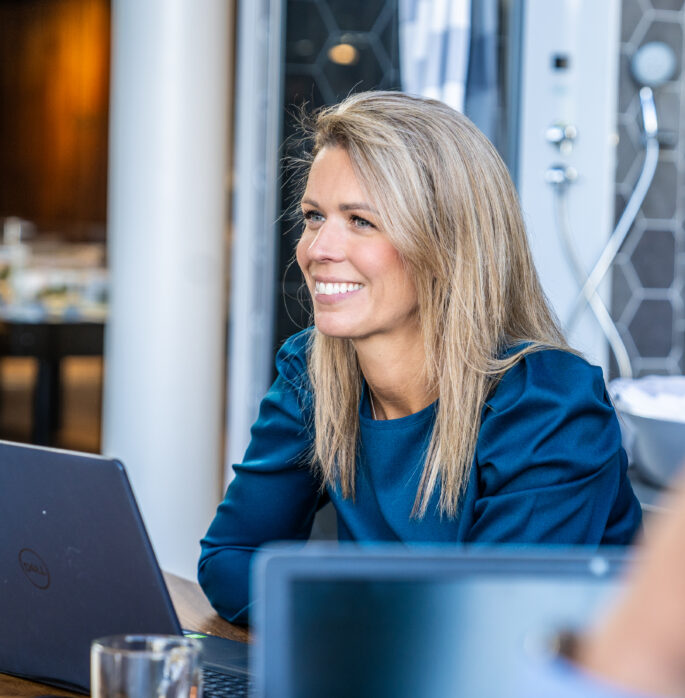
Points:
(594, 301)
(590, 283)
(631, 210)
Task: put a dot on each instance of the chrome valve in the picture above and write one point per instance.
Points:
(562, 136)
(561, 175)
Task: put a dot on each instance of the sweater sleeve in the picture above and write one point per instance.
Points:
(550, 465)
(274, 494)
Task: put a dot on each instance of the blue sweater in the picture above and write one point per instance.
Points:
(548, 468)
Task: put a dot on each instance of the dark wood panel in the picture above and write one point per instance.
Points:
(54, 101)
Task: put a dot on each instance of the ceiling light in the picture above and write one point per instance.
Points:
(343, 54)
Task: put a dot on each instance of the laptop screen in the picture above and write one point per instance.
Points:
(457, 625)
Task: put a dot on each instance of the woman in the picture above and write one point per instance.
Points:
(435, 399)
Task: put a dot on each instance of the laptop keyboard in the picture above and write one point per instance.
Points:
(216, 685)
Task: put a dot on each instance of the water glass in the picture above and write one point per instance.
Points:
(145, 666)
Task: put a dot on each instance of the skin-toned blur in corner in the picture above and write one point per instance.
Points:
(640, 644)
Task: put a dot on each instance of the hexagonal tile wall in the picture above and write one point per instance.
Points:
(649, 274)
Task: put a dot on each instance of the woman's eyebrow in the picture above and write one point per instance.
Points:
(358, 206)
(354, 206)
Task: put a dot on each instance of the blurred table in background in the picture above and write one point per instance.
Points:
(53, 305)
(48, 342)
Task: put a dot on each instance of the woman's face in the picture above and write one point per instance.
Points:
(358, 283)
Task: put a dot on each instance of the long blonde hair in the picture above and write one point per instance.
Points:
(448, 205)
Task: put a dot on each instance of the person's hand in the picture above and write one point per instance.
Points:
(640, 644)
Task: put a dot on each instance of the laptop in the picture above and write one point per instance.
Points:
(75, 564)
(404, 622)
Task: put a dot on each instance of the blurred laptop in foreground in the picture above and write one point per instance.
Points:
(412, 623)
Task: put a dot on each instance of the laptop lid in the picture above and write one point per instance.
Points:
(75, 563)
(408, 622)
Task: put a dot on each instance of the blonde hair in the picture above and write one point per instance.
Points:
(448, 205)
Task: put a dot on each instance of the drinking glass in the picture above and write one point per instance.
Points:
(145, 666)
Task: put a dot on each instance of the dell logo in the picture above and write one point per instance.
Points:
(34, 568)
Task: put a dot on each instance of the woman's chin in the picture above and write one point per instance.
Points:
(338, 329)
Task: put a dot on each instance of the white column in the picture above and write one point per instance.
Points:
(255, 216)
(164, 348)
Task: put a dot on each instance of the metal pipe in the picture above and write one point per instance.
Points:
(631, 210)
(594, 301)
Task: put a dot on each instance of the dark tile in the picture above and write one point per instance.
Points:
(627, 88)
(305, 85)
(660, 201)
(391, 80)
(306, 32)
(355, 15)
(619, 206)
(329, 94)
(666, 4)
(390, 39)
(654, 259)
(653, 371)
(667, 103)
(378, 47)
(365, 73)
(680, 259)
(626, 153)
(613, 366)
(652, 328)
(300, 89)
(632, 356)
(621, 292)
(631, 14)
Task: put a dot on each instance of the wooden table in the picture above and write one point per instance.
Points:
(193, 611)
(49, 341)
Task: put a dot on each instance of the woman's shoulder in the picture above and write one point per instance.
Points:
(549, 421)
(291, 358)
(548, 372)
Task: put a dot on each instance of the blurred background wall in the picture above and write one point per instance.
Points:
(54, 91)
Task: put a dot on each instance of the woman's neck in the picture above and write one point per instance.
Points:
(394, 370)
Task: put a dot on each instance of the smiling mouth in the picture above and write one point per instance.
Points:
(329, 289)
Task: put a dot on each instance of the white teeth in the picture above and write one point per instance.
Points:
(329, 289)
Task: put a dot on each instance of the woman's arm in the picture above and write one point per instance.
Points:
(640, 644)
(549, 460)
(274, 494)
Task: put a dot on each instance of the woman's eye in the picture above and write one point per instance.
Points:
(312, 216)
(360, 222)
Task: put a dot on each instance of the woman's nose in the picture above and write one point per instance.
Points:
(327, 244)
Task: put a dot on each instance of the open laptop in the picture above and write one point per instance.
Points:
(405, 622)
(75, 564)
